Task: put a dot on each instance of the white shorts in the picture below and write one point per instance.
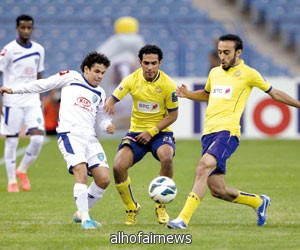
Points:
(14, 118)
(79, 148)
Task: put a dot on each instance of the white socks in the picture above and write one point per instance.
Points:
(32, 151)
(11, 144)
(81, 200)
(95, 193)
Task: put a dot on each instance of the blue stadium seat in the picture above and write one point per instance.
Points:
(70, 29)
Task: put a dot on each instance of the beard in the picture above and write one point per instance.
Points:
(230, 64)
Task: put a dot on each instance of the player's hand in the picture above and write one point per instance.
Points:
(182, 91)
(109, 107)
(110, 129)
(5, 90)
(143, 138)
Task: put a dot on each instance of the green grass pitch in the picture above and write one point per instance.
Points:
(42, 218)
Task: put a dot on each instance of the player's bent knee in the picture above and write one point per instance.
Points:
(103, 182)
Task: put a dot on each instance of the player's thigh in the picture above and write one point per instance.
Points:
(12, 120)
(34, 119)
(125, 158)
(72, 148)
(163, 146)
(95, 154)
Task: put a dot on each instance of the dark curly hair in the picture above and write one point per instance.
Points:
(24, 18)
(94, 57)
(151, 49)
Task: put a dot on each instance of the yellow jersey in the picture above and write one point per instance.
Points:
(151, 101)
(228, 95)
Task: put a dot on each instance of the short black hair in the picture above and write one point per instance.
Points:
(235, 38)
(24, 18)
(151, 49)
(94, 57)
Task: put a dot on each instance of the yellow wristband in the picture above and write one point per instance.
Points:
(153, 131)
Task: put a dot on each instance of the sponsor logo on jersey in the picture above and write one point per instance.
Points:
(63, 72)
(95, 98)
(148, 107)
(28, 71)
(222, 92)
(83, 103)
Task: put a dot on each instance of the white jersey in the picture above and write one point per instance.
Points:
(81, 103)
(20, 65)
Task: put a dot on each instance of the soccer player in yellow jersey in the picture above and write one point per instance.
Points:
(227, 90)
(154, 109)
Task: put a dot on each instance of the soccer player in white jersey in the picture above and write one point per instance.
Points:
(81, 118)
(227, 90)
(21, 61)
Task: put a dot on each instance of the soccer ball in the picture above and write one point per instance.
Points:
(162, 190)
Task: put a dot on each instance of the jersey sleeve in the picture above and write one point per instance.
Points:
(102, 118)
(41, 66)
(122, 90)
(4, 59)
(207, 87)
(259, 82)
(58, 80)
(172, 99)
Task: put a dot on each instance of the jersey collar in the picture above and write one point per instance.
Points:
(23, 45)
(237, 67)
(155, 78)
(88, 82)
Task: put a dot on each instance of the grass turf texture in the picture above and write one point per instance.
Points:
(42, 218)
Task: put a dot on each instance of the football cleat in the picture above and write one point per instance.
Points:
(261, 211)
(131, 215)
(13, 188)
(89, 224)
(176, 224)
(77, 219)
(161, 213)
(24, 181)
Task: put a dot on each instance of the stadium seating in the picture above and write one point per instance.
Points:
(70, 29)
(280, 17)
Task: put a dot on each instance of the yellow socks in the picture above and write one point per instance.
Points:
(192, 202)
(252, 200)
(126, 194)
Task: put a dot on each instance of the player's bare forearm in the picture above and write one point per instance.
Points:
(282, 97)
(168, 120)
(198, 95)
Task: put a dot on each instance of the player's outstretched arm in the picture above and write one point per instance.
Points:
(199, 95)
(282, 97)
(5, 90)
